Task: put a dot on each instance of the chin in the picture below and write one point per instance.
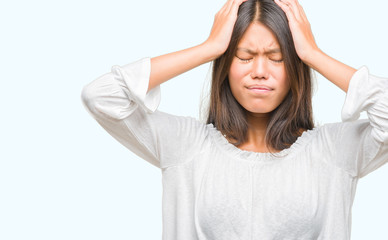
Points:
(259, 110)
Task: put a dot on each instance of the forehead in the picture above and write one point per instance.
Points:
(258, 37)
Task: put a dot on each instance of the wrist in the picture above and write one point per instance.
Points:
(314, 58)
(211, 51)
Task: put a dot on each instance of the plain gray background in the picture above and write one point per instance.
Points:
(63, 177)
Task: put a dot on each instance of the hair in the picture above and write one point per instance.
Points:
(295, 111)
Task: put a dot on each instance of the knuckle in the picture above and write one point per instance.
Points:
(223, 14)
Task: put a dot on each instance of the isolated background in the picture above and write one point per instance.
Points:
(63, 177)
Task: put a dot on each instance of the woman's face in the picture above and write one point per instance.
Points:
(257, 76)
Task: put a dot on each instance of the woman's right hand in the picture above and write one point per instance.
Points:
(222, 29)
(170, 65)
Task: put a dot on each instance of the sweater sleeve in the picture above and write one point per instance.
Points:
(361, 145)
(120, 103)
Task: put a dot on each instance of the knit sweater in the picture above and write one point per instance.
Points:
(213, 190)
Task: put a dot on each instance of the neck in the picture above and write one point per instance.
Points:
(257, 126)
(257, 123)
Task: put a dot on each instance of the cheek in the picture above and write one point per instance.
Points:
(238, 71)
(278, 72)
(283, 80)
(237, 74)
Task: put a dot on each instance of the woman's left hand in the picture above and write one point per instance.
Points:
(302, 35)
(307, 50)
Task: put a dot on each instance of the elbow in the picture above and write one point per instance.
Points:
(104, 99)
(89, 98)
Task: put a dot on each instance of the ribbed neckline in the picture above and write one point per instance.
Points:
(225, 145)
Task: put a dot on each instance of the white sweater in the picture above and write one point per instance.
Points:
(216, 191)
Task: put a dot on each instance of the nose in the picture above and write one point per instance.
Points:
(259, 69)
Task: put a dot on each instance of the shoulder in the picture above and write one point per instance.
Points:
(340, 137)
(180, 137)
(324, 135)
(345, 128)
(186, 130)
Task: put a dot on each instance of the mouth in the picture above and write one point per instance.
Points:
(260, 89)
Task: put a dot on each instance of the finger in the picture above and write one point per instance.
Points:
(225, 6)
(235, 6)
(302, 13)
(286, 9)
(293, 5)
(229, 5)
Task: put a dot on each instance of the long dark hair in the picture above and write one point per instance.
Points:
(293, 114)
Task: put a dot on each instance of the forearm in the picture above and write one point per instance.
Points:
(170, 65)
(332, 69)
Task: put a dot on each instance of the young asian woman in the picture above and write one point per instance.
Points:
(258, 168)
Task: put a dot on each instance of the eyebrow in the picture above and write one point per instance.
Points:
(269, 51)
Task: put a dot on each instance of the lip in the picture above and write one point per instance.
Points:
(259, 88)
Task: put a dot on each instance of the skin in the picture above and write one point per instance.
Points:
(258, 60)
(333, 70)
(170, 65)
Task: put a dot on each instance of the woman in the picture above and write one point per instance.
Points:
(258, 169)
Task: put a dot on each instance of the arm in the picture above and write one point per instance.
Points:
(359, 147)
(173, 64)
(124, 101)
(119, 103)
(330, 69)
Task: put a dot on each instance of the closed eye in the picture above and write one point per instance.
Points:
(277, 61)
(245, 60)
